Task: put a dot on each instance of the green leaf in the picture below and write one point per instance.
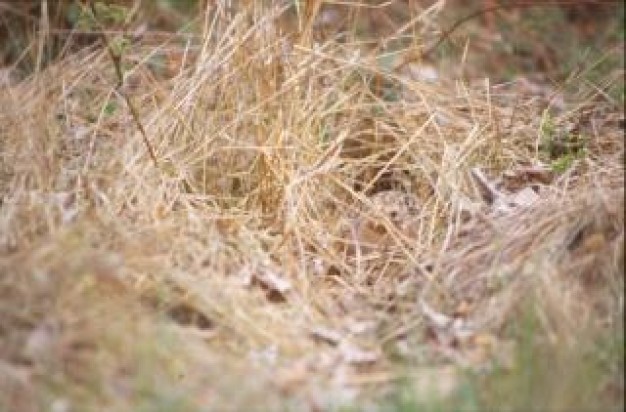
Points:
(563, 163)
(110, 108)
(119, 45)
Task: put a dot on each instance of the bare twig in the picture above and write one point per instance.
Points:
(116, 58)
(501, 6)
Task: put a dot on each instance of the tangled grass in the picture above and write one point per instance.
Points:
(321, 231)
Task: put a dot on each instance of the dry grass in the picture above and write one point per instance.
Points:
(312, 237)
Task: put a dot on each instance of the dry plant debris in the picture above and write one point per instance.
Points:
(319, 229)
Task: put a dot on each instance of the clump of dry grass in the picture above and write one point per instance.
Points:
(312, 230)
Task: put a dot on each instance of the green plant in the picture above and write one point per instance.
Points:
(560, 147)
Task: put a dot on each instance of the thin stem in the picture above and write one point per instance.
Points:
(117, 63)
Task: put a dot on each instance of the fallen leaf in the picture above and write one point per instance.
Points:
(523, 176)
(524, 198)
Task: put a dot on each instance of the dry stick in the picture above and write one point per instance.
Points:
(117, 63)
(521, 4)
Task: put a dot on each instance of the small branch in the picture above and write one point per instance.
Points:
(516, 5)
(117, 63)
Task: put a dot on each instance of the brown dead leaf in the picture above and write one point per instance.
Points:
(524, 198)
(523, 176)
(503, 202)
(592, 244)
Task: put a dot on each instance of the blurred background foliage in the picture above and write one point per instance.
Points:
(551, 38)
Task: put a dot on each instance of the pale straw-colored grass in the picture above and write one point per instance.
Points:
(311, 236)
